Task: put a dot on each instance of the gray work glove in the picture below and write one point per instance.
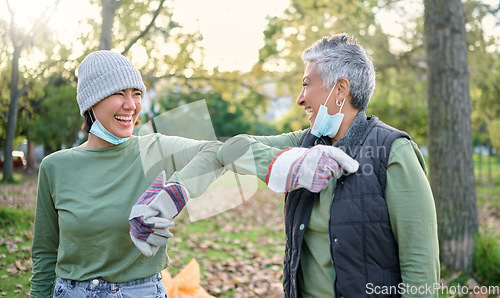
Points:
(310, 168)
(151, 216)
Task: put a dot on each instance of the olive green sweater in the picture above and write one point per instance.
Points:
(84, 199)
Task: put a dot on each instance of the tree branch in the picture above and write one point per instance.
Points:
(37, 25)
(146, 30)
(45, 17)
(208, 78)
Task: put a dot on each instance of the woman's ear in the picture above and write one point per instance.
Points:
(343, 87)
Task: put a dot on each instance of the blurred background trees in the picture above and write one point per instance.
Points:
(171, 60)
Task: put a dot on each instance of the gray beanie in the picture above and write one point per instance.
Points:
(103, 73)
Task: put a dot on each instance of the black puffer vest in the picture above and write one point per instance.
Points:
(362, 246)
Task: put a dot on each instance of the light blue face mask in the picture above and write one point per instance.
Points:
(98, 130)
(325, 124)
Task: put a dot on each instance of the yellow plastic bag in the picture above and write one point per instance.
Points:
(186, 284)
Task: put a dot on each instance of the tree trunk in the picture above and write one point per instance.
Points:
(12, 116)
(109, 8)
(30, 158)
(450, 136)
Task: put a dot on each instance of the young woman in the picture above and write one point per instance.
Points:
(82, 244)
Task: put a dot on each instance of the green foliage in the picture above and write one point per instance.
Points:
(400, 100)
(57, 119)
(228, 119)
(163, 51)
(484, 72)
(487, 257)
(5, 57)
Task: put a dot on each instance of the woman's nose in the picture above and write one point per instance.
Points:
(300, 99)
(129, 103)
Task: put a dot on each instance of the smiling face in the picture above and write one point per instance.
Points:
(119, 112)
(314, 94)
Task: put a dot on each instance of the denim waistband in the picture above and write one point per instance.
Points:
(100, 282)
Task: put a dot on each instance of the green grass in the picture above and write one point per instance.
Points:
(487, 172)
(17, 178)
(487, 257)
(487, 182)
(16, 234)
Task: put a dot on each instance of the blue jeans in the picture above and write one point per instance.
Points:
(151, 287)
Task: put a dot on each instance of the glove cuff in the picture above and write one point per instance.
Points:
(272, 163)
(179, 195)
(279, 169)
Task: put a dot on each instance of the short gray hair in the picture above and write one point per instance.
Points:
(342, 57)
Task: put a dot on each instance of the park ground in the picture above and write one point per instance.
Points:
(240, 251)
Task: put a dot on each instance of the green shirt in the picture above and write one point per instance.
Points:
(410, 204)
(84, 199)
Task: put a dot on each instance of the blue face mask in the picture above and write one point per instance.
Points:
(98, 130)
(325, 124)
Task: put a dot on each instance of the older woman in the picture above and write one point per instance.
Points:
(351, 231)
(101, 225)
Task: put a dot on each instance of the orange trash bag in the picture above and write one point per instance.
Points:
(186, 284)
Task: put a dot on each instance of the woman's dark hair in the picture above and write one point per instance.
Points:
(88, 121)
